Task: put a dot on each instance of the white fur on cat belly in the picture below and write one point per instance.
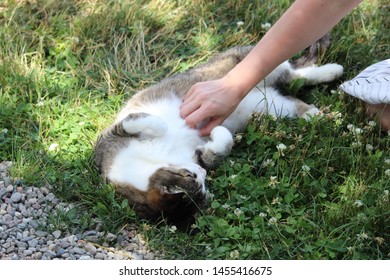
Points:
(321, 74)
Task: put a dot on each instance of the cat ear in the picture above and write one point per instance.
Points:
(171, 190)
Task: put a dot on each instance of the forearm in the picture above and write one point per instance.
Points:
(303, 23)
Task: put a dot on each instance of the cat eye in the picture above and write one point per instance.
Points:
(192, 175)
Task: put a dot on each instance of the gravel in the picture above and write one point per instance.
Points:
(25, 229)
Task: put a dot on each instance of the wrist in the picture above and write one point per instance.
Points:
(236, 85)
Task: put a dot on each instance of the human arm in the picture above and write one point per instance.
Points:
(302, 24)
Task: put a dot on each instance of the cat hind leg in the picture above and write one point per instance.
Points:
(306, 111)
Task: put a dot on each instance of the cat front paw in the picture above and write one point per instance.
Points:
(221, 140)
(214, 151)
(144, 124)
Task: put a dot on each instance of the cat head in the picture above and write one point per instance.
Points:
(175, 194)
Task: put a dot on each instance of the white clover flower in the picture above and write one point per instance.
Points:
(337, 115)
(75, 40)
(234, 254)
(238, 212)
(358, 203)
(263, 215)
(225, 206)
(239, 23)
(387, 161)
(281, 147)
(387, 172)
(356, 144)
(53, 147)
(305, 168)
(272, 221)
(173, 229)
(358, 131)
(266, 25)
(40, 103)
(4, 131)
(385, 196)
(362, 236)
(273, 181)
(81, 123)
(350, 127)
(372, 123)
(233, 176)
(333, 91)
(369, 147)
(275, 201)
(268, 163)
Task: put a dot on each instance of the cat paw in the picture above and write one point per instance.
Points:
(331, 72)
(221, 140)
(213, 152)
(309, 114)
(207, 158)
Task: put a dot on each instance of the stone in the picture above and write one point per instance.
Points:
(33, 243)
(100, 256)
(111, 237)
(79, 251)
(57, 234)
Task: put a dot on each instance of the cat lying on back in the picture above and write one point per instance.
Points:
(158, 163)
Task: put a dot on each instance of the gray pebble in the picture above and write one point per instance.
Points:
(100, 256)
(3, 191)
(79, 251)
(32, 243)
(27, 252)
(111, 237)
(57, 234)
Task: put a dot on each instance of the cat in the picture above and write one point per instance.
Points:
(159, 164)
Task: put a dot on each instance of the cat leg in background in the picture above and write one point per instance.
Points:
(211, 154)
(144, 125)
(318, 74)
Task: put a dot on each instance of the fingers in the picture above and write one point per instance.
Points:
(193, 117)
(206, 130)
(188, 108)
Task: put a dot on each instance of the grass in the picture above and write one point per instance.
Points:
(291, 189)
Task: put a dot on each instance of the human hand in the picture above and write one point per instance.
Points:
(208, 104)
